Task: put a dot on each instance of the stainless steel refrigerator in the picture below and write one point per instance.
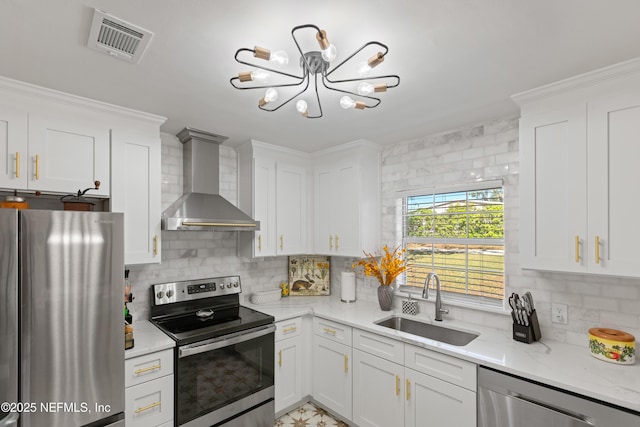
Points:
(61, 319)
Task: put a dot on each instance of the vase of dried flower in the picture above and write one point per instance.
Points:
(385, 297)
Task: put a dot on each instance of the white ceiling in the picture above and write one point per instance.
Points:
(459, 60)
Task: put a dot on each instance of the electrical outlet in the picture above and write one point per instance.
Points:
(559, 313)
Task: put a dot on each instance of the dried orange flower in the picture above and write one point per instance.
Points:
(387, 268)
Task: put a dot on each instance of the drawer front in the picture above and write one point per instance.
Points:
(447, 368)
(149, 403)
(378, 345)
(148, 367)
(332, 330)
(288, 328)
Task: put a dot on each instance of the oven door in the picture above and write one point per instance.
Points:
(224, 378)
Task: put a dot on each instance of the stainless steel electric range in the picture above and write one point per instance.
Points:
(224, 356)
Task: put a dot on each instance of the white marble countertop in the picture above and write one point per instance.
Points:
(568, 367)
(147, 339)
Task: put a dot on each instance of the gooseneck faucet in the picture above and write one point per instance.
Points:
(425, 295)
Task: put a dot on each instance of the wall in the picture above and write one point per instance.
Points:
(490, 151)
(486, 150)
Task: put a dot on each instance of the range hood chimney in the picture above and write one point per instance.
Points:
(201, 207)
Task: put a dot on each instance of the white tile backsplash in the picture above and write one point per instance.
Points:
(488, 150)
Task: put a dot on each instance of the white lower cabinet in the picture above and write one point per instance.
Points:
(289, 360)
(149, 390)
(332, 375)
(440, 390)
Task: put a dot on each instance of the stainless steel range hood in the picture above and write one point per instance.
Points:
(201, 207)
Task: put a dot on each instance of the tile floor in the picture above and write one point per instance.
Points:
(308, 415)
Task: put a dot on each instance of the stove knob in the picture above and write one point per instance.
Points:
(229, 285)
(160, 295)
(169, 293)
(235, 284)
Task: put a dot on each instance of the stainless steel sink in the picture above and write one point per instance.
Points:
(428, 330)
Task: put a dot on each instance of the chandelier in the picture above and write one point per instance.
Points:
(315, 65)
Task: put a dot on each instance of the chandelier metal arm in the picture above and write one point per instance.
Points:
(302, 54)
(233, 81)
(282, 73)
(306, 80)
(378, 100)
(361, 79)
(383, 46)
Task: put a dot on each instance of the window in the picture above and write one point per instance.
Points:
(460, 236)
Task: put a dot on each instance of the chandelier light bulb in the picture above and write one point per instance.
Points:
(346, 102)
(363, 69)
(301, 106)
(259, 75)
(271, 95)
(330, 53)
(365, 89)
(279, 57)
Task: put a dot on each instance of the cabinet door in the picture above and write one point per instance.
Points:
(346, 206)
(288, 372)
(433, 402)
(67, 153)
(614, 126)
(332, 375)
(291, 197)
(324, 208)
(13, 148)
(264, 207)
(378, 391)
(553, 184)
(149, 403)
(136, 191)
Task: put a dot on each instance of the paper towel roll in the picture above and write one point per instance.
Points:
(348, 286)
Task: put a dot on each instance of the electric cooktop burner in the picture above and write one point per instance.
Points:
(197, 310)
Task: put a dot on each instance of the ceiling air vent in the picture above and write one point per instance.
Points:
(118, 38)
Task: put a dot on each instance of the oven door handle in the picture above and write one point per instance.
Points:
(191, 349)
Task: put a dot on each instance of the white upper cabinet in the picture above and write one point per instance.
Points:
(136, 191)
(274, 189)
(578, 154)
(346, 199)
(51, 142)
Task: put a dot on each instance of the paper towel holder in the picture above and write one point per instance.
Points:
(348, 287)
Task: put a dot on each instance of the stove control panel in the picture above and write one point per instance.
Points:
(166, 293)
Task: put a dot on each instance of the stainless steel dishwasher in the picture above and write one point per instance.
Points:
(508, 401)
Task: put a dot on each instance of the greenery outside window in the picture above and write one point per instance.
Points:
(459, 234)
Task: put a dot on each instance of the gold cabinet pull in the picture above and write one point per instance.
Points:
(281, 242)
(346, 364)
(336, 242)
(330, 331)
(597, 249)
(146, 408)
(280, 358)
(37, 166)
(143, 370)
(407, 389)
(287, 330)
(577, 248)
(259, 242)
(330, 242)
(17, 164)
(397, 385)
(155, 245)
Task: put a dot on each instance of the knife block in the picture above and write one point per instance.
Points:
(528, 334)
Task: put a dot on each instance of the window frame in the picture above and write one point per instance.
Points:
(474, 301)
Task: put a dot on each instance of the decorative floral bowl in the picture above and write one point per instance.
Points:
(612, 345)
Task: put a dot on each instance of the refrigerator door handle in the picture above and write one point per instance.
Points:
(10, 421)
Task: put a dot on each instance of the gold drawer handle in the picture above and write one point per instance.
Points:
(330, 242)
(150, 368)
(577, 248)
(397, 385)
(280, 358)
(336, 242)
(287, 330)
(17, 164)
(146, 408)
(259, 242)
(330, 331)
(346, 364)
(597, 249)
(281, 242)
(155, 245)
(408, 389)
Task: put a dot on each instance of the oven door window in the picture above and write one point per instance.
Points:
(212, 379)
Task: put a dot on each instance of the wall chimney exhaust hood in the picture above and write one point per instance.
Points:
(201, 207)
